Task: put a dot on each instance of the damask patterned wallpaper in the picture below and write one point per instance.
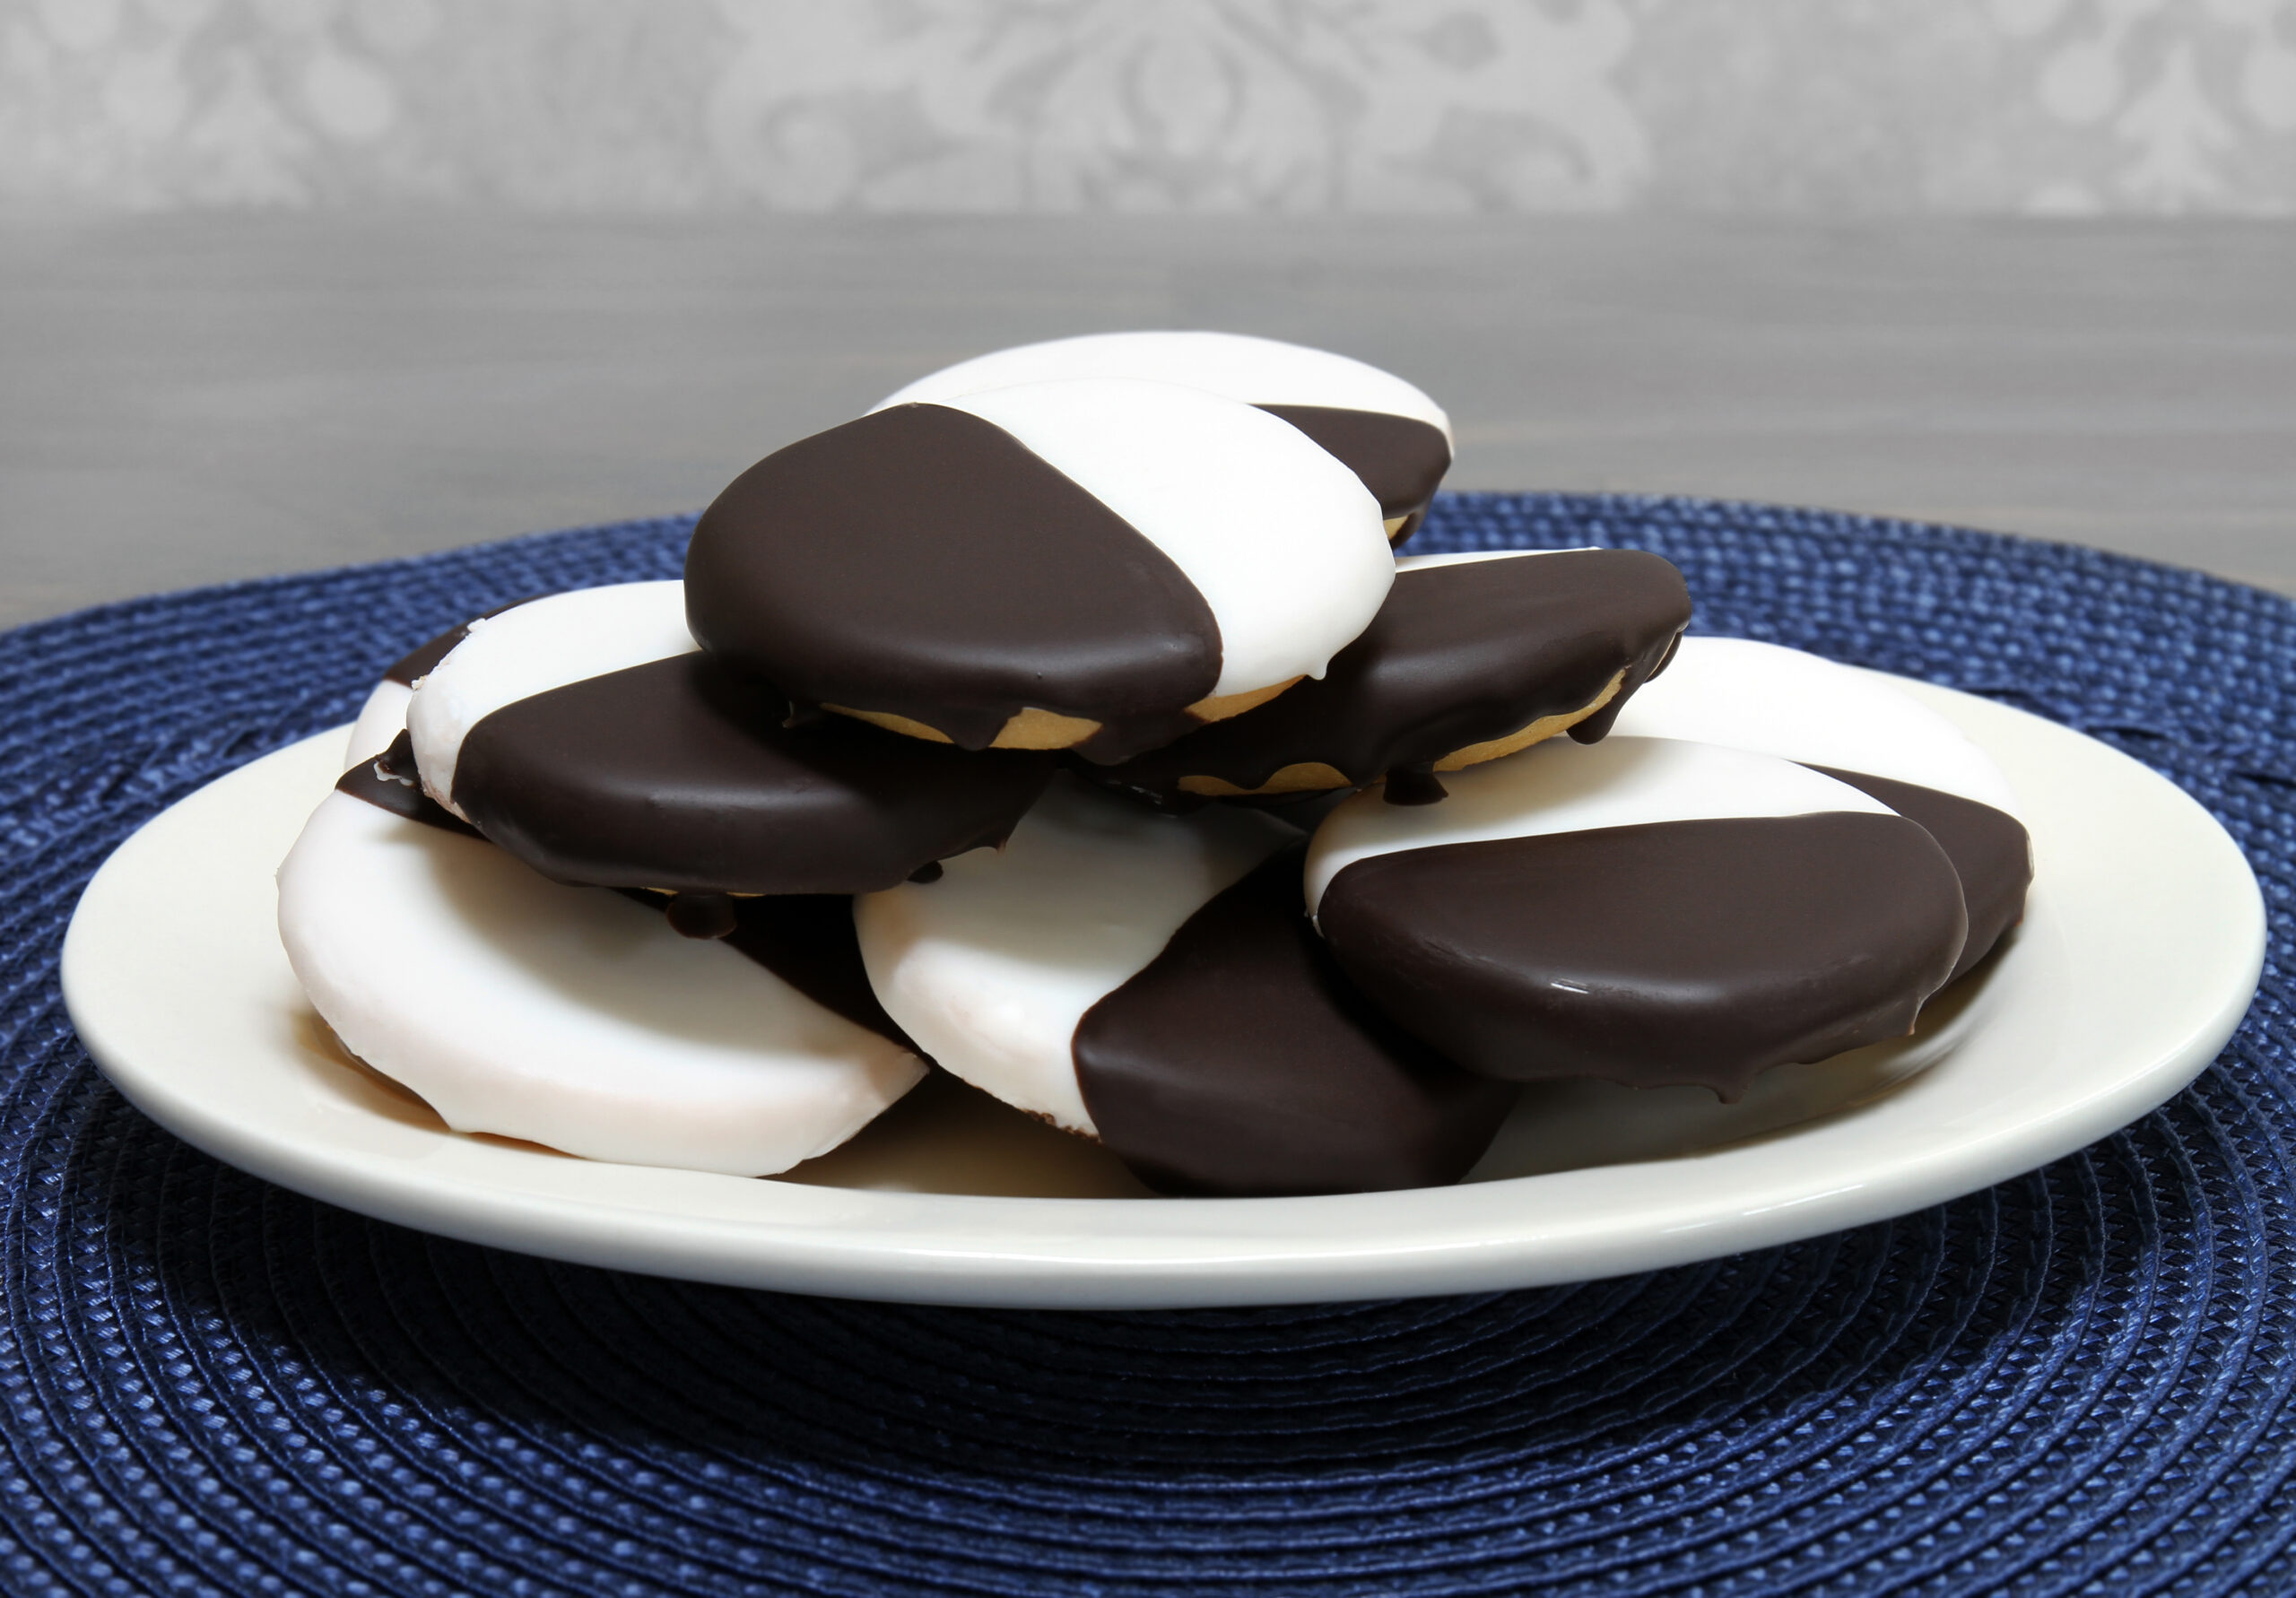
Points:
(1813, 105)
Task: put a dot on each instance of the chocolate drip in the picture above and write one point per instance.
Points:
(1674, 648)
(700, 915)
(680, 775)
(1595, 729)
(806, 939)
(389, 782)
(418, 662)
(921, 561)
(1399, 458)
(1240, 1062)
(1678, 951)
(1990, 848)
(1458, 656)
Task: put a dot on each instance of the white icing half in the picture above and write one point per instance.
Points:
(565, 1016)
(1285, 544)
(1470, 557)
(1258, 371)
(381, 719)
(1561, 787)
(543, 644)
(991, 967)
(1803, 707)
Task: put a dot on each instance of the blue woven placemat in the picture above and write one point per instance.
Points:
(2076, 1382)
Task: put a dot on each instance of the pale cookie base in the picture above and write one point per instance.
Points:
(1032, 729)
(893, 723)
(1394, 525)
(1035, 728)
(1544, 727)
(1301, 777)
(1315, 776)
(1221, 706)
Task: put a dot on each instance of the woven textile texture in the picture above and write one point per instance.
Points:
(2078, 1381)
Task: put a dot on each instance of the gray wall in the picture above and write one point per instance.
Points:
(1389, 106)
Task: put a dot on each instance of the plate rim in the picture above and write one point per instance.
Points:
(1107, 1254)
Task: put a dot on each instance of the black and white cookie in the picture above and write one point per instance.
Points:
(573, 1017)
(1857, 727)
(1149, 981)
(1389, 433)
(586, 735)
(1645, 910)
(1099, 565)
(1472, 657)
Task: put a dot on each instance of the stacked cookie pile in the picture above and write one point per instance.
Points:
(1069, 721)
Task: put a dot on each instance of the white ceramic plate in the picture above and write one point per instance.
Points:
(2139, 954)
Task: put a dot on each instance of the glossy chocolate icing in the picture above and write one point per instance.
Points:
(921, 561)
(1458, 655)
(1400, 458)
(1990, 851)
(1240, 1062)
(680, 775)
(1677, 952)
(806, 939)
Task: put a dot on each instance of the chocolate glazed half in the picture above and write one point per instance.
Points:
(1991, 852)
(1401, 459)
(680, 774)
(1458, 656)
(1678, 951)
(807, 940)
(921, 561)
(1240, 1062)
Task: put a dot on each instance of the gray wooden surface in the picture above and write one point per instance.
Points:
(193, 399)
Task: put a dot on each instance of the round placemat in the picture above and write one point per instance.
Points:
(2076, 1381)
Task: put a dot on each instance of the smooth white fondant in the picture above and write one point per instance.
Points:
(1805, 707)
(1284, 543)
(1415, 562)
(1561, 787)
(1258, 371)
(566, 1016)
(381, 719)
(991, 967)
(543, 644)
